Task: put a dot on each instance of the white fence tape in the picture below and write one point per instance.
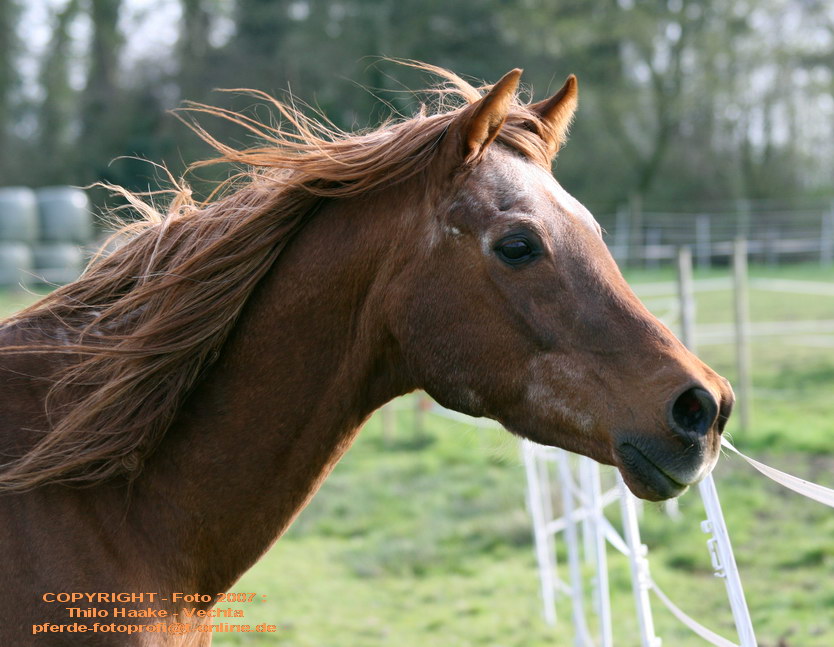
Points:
(813, 491)
(707, 634)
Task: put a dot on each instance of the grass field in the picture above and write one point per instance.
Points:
(422, 539)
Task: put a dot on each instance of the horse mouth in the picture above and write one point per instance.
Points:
(646, 478)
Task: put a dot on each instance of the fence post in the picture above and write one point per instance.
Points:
(651, 248)
(743, 218)
(585, 477)
(703, 238)
(597, 516)
(686, 295)
(636, 242)
(640, 577)
(827, 237)
(622, 235)
(545, 554)
(742, 325)
(686, 298)
(724, 561)
(582, 636)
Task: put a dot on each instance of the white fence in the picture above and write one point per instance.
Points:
(586, 529)
(773, 235)
(583, 504)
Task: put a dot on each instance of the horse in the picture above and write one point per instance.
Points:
(166, 416)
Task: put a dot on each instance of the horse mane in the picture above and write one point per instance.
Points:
(136, 331)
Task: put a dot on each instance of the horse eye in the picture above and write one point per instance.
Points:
(515, 250)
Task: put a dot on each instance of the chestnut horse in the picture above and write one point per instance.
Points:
(167, 415)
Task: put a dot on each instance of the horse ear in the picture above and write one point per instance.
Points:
(557, 112)
(482, 120)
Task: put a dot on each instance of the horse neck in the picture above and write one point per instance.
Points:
(307, 363)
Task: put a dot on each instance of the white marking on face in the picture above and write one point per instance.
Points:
(540, 394)
(530, 175)
(438, 229)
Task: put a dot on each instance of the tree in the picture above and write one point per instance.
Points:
(262, 27)
(193, 48)
(101, 94)
(57, 109)
(9, 80)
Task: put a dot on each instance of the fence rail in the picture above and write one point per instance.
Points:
(652, 238)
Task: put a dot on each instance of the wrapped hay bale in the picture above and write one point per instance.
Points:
(58, 262)
(18, 214)
(15, 263)
(64, 215)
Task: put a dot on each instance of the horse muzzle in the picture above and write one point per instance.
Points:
(662, 466)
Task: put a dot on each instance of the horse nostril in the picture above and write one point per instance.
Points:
(694, 411)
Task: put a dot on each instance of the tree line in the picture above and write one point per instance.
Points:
(683, 103)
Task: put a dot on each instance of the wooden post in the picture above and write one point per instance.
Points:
(703, 238)
(686, 295)
(636, 242)
(742, 321)
(743, 218)
(622, 235)
(651, 250)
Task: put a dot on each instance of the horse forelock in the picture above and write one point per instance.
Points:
(144, 322)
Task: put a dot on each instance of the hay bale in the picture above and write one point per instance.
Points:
(18, 214)
(15, 263)
(65, 216)
(58, 262)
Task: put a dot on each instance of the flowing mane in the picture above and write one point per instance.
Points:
(143, 323)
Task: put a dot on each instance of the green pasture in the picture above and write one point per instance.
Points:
(421, 538)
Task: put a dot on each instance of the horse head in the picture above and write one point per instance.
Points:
(513, 308)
